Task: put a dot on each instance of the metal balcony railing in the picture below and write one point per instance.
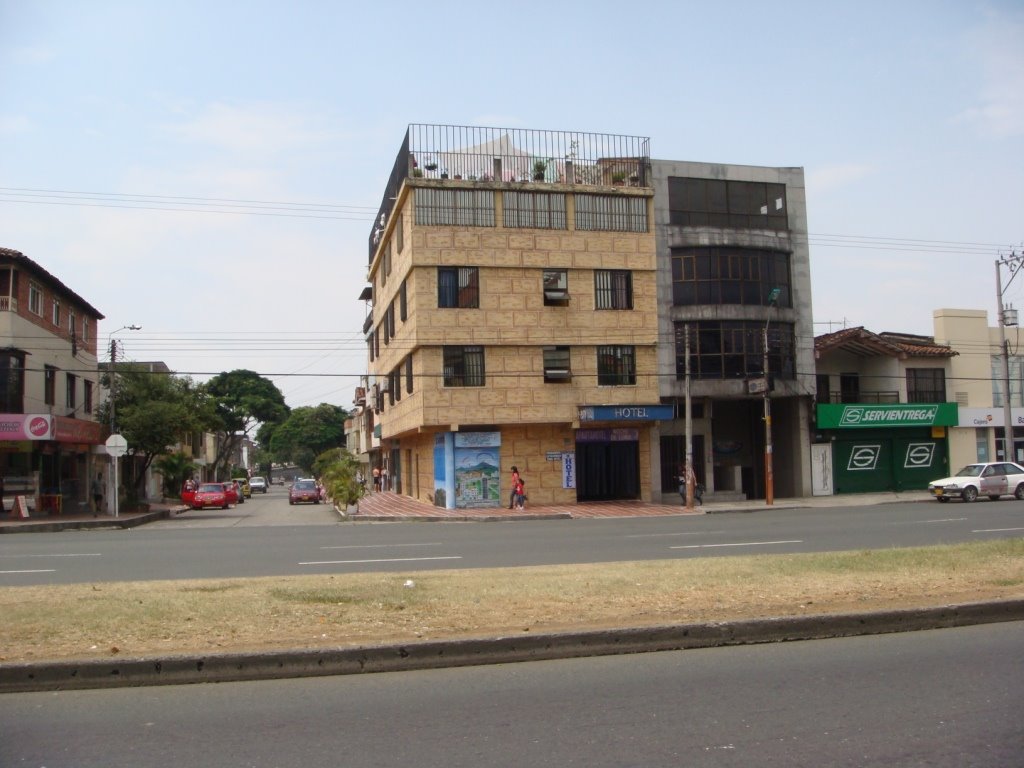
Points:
(509, 155)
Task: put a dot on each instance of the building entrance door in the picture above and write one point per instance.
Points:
(607, 470)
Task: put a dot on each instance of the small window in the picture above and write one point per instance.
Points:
(408, 375)
(85, 330)
(72, 400)
(400, 233)
(87, 397)
(464, 366)
(616, 365)
(403, 308)
(556, 287)
(71, 323)
(50, 385)
(56, 313)
(556, 365)
(613, 289)
(458, 287)
(35, 299)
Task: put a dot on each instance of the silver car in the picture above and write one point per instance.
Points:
(992, 479)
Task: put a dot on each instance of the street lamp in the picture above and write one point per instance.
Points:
(769, 476)
(112, 345)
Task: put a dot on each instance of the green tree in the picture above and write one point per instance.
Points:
(243, 400)
(307, 432)
(338, 470)
(176, 468)
(154, 412)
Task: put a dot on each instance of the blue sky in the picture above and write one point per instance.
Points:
(907, 117)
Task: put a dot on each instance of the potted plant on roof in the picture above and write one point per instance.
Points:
(618, 178)
(540, 167)
(430, 165)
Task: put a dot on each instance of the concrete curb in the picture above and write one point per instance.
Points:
(54, 526)
(455, 518)
(434, 654)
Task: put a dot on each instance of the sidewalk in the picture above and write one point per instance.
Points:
(390, 507)
(393, 507)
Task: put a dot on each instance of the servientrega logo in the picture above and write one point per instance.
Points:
(864, 458)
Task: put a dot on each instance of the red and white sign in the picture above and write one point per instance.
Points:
(26, 426)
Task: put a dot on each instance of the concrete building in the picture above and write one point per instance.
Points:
(733, 274)
(514, 317)
(977, 380)
(884, 412)
(49, 388)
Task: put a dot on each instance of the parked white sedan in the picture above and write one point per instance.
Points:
(993, 479)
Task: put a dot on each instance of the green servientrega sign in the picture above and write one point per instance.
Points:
(894, 415)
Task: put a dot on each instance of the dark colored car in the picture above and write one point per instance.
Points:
(304, 490)
(210, 495)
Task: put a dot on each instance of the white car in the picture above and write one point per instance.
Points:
(992, 479)
(258, 484)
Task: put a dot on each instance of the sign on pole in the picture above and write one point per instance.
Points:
(116, 446)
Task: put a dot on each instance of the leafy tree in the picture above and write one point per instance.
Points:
(176, 468)
(338, 470)
(243, 399)
(308, 432)
(154, 411)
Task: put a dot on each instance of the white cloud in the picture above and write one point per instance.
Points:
(32, 54)
(996, 44)
(262, 128)
(14, 124)
(830, 177)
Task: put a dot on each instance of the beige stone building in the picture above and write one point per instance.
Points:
(514, 317)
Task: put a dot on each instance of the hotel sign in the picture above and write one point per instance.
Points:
(862, 416)
(626, 412)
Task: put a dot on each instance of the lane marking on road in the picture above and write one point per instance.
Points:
(382, 560)
(45, 570)
(996, 530)
(386, 546)
(82, 554)
(739, 544)
(662, 535)
(945, 520)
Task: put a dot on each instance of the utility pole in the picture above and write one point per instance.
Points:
(690, 476)
(1007, 316)
(769, 470)
(113, 384)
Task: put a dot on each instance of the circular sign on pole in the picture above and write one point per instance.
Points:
(116, 445)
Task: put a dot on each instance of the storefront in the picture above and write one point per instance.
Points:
(48, 460)
(871, 448)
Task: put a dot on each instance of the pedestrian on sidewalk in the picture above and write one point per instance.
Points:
(376, 479)
(520, 493)
(512, 491)
(97, 496)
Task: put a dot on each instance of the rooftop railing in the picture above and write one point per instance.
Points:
(475, 153)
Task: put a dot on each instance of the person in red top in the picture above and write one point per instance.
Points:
(520, 493)
(515, 482)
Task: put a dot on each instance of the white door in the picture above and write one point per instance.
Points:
(821, 470)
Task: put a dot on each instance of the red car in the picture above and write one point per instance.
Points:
(210, 495)
(304, 490)
(231, 492)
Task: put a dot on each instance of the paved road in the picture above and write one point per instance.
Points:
(267, 537)
(944, 698)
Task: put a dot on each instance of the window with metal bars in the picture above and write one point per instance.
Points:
(464, 366)
(611, 213)
(536, 210)
(455, 207)
(613, 289)
(616, 365)
(458, 287)
(926, 385)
